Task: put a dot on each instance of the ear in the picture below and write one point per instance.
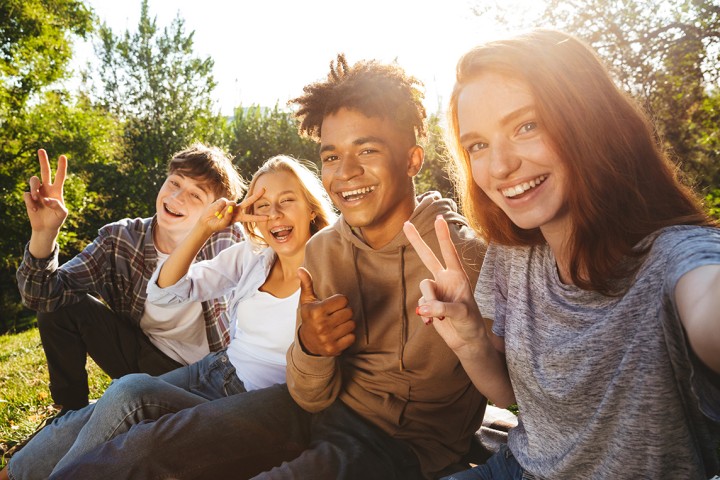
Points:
(416, 156)
(313, 215)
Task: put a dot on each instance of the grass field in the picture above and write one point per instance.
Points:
(24, 395)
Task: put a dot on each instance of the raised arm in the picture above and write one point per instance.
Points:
(448, 299)
(46, 206)
(697, 296)
(217, 216)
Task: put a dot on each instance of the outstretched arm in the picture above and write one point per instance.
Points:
(46, 206)
(697, 296)
(448, 299)
(217, 216)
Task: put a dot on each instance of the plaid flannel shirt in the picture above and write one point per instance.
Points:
(116, 267)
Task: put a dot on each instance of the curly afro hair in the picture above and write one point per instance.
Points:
(372, 88)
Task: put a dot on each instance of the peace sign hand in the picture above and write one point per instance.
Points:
(222, 212)
(448, 296)
(44, 202)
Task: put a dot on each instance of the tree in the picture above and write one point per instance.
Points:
(434, 174)
(35, 47)
(258, 133)
(666, 54)
(161, 92)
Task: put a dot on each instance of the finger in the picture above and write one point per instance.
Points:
(248, 201)
(30, 204)
(35, 184)
(44, 167)
(447, 248)
(345, 342)
(61, 171)
(424, 310)
(53, 203)
(424, 252)
(307, 293)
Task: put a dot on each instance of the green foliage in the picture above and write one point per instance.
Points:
(433, 175)
(34, 47)
(24, 395)
(258, 133)
(152, 81)
(712, 202)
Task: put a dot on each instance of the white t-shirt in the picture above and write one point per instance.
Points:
(177, 330)
(264, 329)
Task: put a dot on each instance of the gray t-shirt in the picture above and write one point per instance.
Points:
(606, 386)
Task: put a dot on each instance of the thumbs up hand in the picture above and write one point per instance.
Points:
(327, 327)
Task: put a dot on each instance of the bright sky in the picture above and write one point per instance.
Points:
(265, 51)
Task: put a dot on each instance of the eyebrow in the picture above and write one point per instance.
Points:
(509, 118)
(357, 142)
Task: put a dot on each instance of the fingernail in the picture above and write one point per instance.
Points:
(441, 318)
(428, 321)
(422, 310)
(417, 311)
(220, 216)
(230, 209)
(217, 214)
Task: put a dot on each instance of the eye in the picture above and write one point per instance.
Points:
(367, 151)
(329, 158)
(196, 196)
(476, 147)
(174, 183)
(527, 127)
(287, 199)
(261, 206)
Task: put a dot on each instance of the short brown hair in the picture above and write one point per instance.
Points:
(210, 165)
(372, 88)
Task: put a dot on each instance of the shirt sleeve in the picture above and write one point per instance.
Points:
(46, 287)
(207, 279)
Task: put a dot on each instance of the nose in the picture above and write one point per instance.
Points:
(504, 160)
(349, 167)
(274, 211)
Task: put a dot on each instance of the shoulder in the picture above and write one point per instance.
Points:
(127, 230)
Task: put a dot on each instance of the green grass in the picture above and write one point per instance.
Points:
(24, 395)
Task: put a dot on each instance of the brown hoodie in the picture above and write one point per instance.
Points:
(399, 374)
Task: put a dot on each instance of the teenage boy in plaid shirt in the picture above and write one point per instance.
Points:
(95, 303)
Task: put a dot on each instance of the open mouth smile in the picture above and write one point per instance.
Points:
(356, 194)
(517, 190)
(281, 233)
(171, 211)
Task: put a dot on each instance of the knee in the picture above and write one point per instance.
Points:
(132, 387)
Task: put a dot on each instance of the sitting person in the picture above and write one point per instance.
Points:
(602, 279)
(370, 393)
(285, 206)
(96, 304)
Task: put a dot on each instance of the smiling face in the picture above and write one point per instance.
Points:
(179, 204)
(367, 170)
(289, 213)
(511, 156)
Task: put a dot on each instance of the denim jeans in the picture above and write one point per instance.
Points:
(501, 466)
(132, 399)
(241, 436)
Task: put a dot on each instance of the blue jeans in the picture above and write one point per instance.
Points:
(501, 466)
(241, 436)
(129, 400)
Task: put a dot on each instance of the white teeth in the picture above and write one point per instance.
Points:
(172, 211)
(279, 229)
(523, 187)
(359, 191)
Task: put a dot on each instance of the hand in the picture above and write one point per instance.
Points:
(222, 212)
(327, 326)
(44, 202)
(448, 297)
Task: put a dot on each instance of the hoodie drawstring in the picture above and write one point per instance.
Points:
(403, 298)
(358, 280)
